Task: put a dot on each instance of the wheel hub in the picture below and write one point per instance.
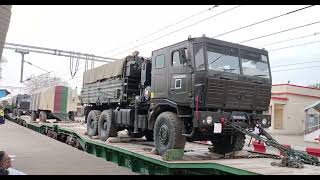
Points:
(92, 124)
(105, 125)
(164, 134)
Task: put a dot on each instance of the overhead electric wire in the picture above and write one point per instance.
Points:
(296, 68)
(259, 22)
(306, 62)
(286, 30)
(36, 66)
(256, 23)
(314, 34)
(177, 30)
(295, 45)
(171, 25)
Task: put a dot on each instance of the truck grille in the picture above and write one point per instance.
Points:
(230, 94)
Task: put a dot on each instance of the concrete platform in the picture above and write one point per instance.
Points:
(37, 154)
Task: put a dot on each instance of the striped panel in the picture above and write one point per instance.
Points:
(262, 148)
(58, 99)
(64, 101)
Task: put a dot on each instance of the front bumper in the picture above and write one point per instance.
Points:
(205, 120)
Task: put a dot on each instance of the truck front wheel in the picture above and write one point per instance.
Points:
(71, 116)
(19, 112)
(92, 123)
(223, 144)
(33, 116)
(106, 126)
(168, 132)
(43, 116)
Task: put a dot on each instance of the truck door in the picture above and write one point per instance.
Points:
(159, 73)
(180, 77)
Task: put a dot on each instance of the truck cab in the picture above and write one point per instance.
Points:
(19, 105)
(207, 83)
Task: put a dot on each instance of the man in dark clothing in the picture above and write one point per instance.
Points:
(1, 115)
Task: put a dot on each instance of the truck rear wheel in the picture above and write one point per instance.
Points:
(92, 123)
(33, 116)
(106, 126)
(19, 112)
(168, 132)
(43, 116)
(224, 144)
(86, 113)
(71, 116)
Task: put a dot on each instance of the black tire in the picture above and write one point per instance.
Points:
(71, 116)
(86, 113)
(43, 116)
(33, 116)
(19, 112)
(223, 144)
(14, 112)
(107, 126)
(92, 123)
(149, 135)
(167, 134)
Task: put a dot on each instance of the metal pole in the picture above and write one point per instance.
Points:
(21, 72)
(22, 62)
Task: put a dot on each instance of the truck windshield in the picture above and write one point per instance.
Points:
(224, 60)
(254, 64)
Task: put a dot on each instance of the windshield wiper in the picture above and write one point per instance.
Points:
(217, 59)
(230, 69)
(260, 75)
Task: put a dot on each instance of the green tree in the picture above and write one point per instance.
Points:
(34, 83)
(316, 85)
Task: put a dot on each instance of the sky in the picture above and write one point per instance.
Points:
(113, 31)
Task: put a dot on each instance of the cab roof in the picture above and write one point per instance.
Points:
(216, 41)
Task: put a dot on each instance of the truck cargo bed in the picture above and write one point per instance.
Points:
(103, 92)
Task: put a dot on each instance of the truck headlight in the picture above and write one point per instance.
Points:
(264, 121)
(209, 119)
(146, 93)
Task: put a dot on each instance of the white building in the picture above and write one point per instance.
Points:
(287, 106)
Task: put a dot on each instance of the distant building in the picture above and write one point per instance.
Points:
(312, 122)
(5, 15)
(287, 106)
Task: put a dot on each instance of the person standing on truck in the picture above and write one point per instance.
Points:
(5, 163)
(1, 115)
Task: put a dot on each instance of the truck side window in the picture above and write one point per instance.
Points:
(176, 59)
(198, 56)
(159, 62)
